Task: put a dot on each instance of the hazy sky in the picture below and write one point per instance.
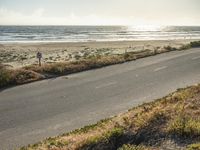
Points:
(100, 12)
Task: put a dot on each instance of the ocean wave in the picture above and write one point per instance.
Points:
(93, 33)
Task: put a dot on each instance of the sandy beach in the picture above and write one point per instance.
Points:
(23, 54)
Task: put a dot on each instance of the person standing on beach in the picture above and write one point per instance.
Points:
(39, 56)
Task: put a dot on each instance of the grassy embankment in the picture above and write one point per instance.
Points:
(9, 77)
(171, 122)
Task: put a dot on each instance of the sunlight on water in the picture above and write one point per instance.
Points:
(146, 28)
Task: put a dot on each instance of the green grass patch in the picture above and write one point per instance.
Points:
(195, 146)
(87, 128)
(106, 140)
(106, 137)
(185, 126)
(132, 147)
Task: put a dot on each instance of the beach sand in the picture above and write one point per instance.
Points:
(23, 54)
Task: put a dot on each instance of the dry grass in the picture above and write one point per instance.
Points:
(174, 118)
(19, 76)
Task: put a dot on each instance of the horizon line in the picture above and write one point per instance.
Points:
(98, 25)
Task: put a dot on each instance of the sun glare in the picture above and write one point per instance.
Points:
(146, 27)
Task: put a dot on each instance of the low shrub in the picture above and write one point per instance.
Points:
(184, 47)
(5, 77)
(10, 77)
(195, 44)
(170, 48)
(22, 76)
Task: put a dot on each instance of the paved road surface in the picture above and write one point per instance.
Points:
(32, 112)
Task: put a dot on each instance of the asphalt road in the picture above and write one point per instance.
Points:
(32, 112)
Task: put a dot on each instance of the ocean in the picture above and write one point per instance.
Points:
(22, 34)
